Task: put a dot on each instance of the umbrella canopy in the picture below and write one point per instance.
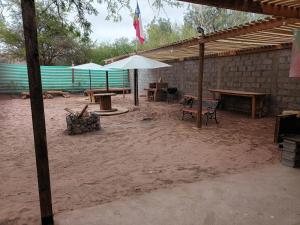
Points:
(93, 66)
(136, 62)
(90, 66)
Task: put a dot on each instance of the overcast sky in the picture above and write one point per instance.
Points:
(103, 30)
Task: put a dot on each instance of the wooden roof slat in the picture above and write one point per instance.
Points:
(284, 8)
(271, 33)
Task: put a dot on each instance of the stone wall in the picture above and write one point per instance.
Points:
(259, 72)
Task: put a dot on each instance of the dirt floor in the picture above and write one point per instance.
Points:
(129, 156)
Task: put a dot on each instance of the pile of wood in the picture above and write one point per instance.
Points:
(47, 94)
(82, 122)
(291, 151)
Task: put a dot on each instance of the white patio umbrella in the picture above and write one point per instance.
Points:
(93, 66)
(136, 62)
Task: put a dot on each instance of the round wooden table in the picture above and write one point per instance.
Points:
(105, 101)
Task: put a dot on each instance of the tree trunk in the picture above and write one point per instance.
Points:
(37, 110)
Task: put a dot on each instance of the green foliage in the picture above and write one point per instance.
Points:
(59, 43)
(11, 40)
(108, 50)
(161, 32)
(213, 19)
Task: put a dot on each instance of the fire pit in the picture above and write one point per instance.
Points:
(78, 123)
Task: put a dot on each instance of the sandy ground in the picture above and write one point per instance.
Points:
(129, 156)
(262, 196)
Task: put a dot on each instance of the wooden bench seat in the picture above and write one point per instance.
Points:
(194, 110)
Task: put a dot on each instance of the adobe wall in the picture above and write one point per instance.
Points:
(259, 72)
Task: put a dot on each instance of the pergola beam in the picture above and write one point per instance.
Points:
(290, 11)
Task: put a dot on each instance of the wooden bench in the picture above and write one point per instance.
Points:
(209, 108)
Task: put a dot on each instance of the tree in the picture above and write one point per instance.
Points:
(213, 19)
(161, 32)
(104, 51)
(58, 42)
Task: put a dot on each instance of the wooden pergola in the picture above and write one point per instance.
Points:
(262, 35)
(284, 8)
(272, 33)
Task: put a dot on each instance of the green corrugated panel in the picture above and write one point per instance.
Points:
(13, 78)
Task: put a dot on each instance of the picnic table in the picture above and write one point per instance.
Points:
(253, 95)
(105, 101)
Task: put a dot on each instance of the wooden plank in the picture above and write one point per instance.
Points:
(239, 93)
(37, 110)
(83, 110)
(252, 6)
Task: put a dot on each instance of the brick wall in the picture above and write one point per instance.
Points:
(259, 72)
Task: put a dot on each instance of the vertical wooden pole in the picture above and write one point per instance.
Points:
(107, 86)
(200, 82)
(37, 110)
(90, 76)
(253, 107)
(73, 75)
(136, 94)
(123, 83)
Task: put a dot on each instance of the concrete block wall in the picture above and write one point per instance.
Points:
(266, 72)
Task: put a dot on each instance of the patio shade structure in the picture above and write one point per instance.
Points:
(262, 35)
(256, 36)
(136, 62)
(93, 66)
(284, 8)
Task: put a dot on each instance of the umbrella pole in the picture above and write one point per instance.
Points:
(107, 86)
(123, 86)
(90, 79)
(136, 95)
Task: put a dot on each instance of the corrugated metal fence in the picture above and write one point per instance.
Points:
(13, 78)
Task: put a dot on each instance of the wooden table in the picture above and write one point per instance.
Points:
(92, 92)
(252, 95)
(105, 101)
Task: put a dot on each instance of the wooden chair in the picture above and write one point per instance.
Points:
(209, 109)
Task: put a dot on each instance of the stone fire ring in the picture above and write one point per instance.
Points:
(113, 112)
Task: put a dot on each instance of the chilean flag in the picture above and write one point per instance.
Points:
(137, 23)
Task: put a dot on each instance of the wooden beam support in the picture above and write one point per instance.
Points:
(200, 81)
(107, 85)
(136, 88)
(37, 110)
(251, 6)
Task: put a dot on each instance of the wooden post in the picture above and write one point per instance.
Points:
(73, 77)
(136, 94)
(107, 86)
(37, 110)
(90, 76)
(253, 107)
(200, 76)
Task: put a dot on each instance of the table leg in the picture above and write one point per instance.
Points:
(253, 108)
(105, 103)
